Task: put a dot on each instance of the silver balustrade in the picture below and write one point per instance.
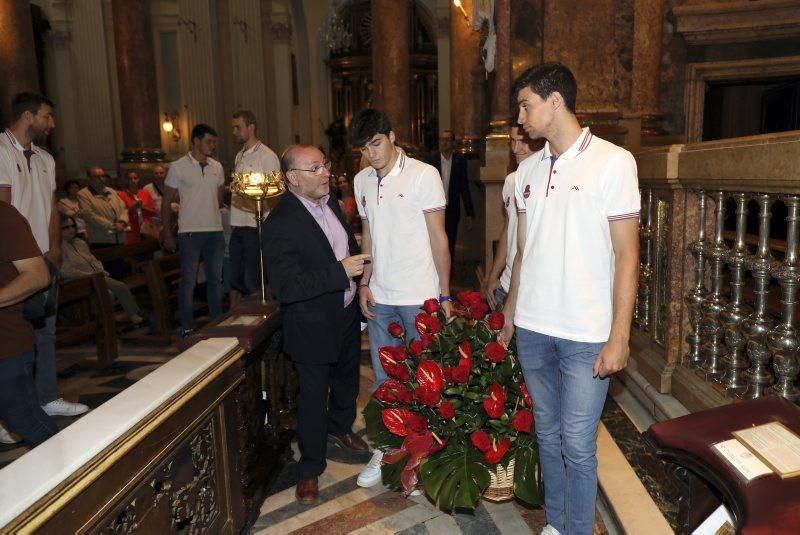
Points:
(711, 329)
(643, 295)
(696, 296)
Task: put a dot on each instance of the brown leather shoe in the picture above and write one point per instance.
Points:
(351, 441)
(307, 490)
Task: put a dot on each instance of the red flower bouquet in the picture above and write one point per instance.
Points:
(455, 408)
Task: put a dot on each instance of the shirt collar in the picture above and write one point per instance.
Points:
(191, 159)
(399, 164)
(15, 143)
(310, 205)
(575, 150)
(251, 150)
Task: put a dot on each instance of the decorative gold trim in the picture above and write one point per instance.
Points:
(56, 499)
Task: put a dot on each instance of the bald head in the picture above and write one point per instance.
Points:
(306, 171)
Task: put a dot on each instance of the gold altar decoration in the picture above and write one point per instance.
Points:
(258, 187)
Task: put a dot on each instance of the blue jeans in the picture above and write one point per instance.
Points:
(244, 251)
(210, 246)
(500, 295)
(567, 402)
(19, 403)
(45, 372)
(379, 335)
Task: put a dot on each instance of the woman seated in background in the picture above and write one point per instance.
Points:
(348, 203)
(78, 261)
(68, 205)
(141, 208)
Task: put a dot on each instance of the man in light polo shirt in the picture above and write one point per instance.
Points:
(402, 202)
(499, 279)
(199, 180)
(244, 247)
(28, 183)
(573, 286)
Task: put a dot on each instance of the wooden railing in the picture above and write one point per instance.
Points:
(704, 328)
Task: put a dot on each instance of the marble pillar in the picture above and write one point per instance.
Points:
(646, 74)
(136, 74)
(466, 80)
(17, 53)
(390, 63)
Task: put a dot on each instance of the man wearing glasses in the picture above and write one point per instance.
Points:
(312, 265)
(402, 203)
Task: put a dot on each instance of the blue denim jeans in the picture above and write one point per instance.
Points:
(192, 246)
(244, 250)
(45, 372)
(19, 403)
(567, 402)
(379, 335)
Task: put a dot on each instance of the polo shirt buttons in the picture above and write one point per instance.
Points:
(552, 187)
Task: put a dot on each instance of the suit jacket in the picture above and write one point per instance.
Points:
(306, 279)
(458, 187)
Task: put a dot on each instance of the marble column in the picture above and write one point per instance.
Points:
(17, 53)
(648, 23)
(466, 80)
(390, 63)
(136, 73)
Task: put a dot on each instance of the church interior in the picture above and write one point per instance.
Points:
(196, 434)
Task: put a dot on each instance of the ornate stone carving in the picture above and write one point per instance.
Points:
(194, 505)
(125, 523)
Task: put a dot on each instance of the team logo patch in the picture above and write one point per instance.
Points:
(401, 195)
(363, 200)
(527, 192)
(576, 188)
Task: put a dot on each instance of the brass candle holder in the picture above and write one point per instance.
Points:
(258, 187)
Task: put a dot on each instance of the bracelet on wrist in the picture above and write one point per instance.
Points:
(443, 298)
(363, 285)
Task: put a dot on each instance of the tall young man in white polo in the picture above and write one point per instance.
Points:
(244, 247)
(28, 183)
(573, 286)
(402, 202)
(499, 279)
(199, 180)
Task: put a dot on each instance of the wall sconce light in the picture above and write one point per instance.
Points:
(457, 3)
(170, 126)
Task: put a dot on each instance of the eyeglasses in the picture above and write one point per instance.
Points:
(317, 169)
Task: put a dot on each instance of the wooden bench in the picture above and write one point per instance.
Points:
(93, 318)
(130, 253)
(162, 276)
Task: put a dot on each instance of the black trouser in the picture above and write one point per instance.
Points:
(327, 399)
(451, 229)
(19, 404)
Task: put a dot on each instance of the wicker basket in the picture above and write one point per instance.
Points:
(501, 485)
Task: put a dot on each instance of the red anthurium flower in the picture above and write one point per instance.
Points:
(417, 423)
(427, 324)
(495, 352)
(430, 375)
(526, 396)
(496, 451)
(415, 348)
(427, 397)
(496, 320)
(447, 411)
(479, 310)
(448, 374)
(426, 340)
(431, 306)
(393, 391)
(438, 446)
(494, 405)
(522, 421)
(391, 355)
(481, 440)
(396, 330)
(465, 363)
(460, 374)
(465, 350)
(395, 420)
(399, 372)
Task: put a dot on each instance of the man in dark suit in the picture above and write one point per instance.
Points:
(452, 167)
(311, 260)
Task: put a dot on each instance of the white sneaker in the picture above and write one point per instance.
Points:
(550, 530)
(5, 436)
(371, 474)
(415, 492)
(62, 407)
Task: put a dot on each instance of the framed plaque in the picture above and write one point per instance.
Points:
(775, 444)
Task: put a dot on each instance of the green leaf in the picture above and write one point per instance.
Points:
(390, 473)
(455, 478)
(376, 431)
(528, 485)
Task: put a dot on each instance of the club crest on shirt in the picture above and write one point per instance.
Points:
(576, 188)
(527, 192)
(364, 200)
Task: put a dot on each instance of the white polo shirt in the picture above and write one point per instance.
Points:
(31, 189)
(198, 188)
(510, 206)
(258, 158)
(394, 207)
(567, 269)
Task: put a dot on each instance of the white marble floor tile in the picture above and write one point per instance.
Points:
(399, 521)
(507, 518)
(443, 524)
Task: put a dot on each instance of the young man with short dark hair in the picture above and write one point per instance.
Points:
(401, 201)
(573, 286)
(200, 182)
